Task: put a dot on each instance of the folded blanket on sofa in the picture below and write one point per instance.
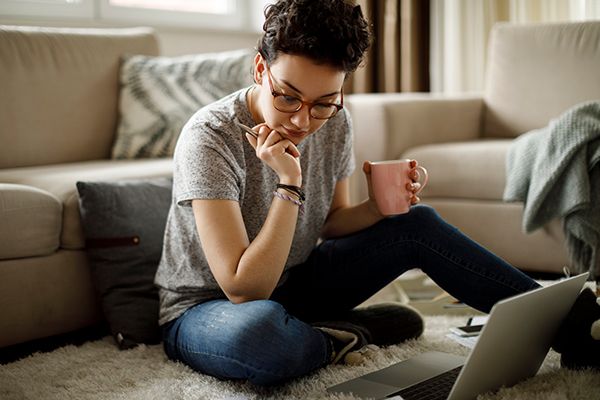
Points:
(555, 172)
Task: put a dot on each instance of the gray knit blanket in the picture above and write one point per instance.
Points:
(555, 172)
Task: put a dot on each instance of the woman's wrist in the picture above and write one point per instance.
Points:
(292, 181)
(284, 195)
(293, 190)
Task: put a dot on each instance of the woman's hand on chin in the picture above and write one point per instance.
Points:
(278, 153)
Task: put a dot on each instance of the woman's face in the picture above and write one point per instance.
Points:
(299, 77)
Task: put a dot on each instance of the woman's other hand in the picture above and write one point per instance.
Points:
(371, 201)
(415, 185)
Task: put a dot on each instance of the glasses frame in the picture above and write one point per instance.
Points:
(303, 103)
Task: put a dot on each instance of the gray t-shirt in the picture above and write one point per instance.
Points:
(213, 160)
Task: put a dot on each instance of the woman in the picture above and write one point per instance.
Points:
(246, 292)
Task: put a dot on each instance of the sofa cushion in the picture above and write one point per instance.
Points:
(60, 181)
(59, 91)
(537, 71)
(34, 219)
(467, 170)
(124, 224)
(159, 95)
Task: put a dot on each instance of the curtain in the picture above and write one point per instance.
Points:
(398, 60)
(460, 33)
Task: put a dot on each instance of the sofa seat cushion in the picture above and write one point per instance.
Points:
(35, 217)
(467, 170)
(60, 181)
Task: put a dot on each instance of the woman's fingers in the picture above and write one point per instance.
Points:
(272, 137)
(413, 187)
(251, 140)
(271, 141)
(291, 148)
(262, 134)
(414, 175)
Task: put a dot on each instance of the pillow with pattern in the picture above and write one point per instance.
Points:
(159, 95)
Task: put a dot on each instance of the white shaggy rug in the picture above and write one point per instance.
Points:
(98, 370)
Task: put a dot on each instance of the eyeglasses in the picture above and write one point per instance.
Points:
(291, 104)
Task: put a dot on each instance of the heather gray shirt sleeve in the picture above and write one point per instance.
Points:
(207, 166)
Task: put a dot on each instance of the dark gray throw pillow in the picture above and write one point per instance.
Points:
(123, 223)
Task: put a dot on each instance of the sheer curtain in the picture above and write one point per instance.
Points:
(399, 57)
(460, 32)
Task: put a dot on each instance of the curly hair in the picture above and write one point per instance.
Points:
(332, 32)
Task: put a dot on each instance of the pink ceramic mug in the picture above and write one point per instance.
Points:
(390, 180)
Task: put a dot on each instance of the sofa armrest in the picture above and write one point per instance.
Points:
(386, 125)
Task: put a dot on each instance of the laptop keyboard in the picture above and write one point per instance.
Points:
(435, 388)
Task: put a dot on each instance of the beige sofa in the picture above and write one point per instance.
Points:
(58, 117)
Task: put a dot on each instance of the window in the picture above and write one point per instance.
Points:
(214, 14)
(202, 6)
(206, 14)
(66, 9)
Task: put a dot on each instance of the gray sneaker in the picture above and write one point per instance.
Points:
(348, 341)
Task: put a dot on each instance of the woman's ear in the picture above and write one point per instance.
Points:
(259, 68)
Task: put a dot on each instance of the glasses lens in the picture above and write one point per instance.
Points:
(287, 103)
(292, 104)
(323, 111)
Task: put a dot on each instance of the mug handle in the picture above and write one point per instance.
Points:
(423, 176)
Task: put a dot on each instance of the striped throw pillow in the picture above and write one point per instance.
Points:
(159, 94)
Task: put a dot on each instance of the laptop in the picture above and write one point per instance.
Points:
(511, 348)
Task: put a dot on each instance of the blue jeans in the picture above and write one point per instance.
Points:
(271, 341)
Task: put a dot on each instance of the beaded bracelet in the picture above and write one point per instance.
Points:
(288, 198)
(293, 190)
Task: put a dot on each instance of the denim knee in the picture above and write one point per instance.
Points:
(285, 346)
(258, 341)
(421, 215)
(424, 212)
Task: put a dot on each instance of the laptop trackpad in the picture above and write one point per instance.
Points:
(364, 388)
(417, 369)
(398, 376)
